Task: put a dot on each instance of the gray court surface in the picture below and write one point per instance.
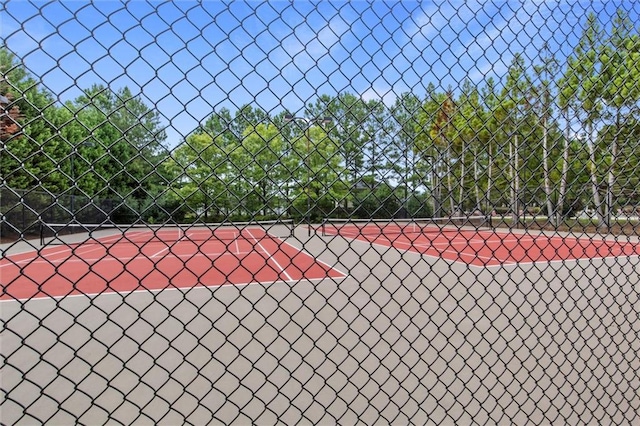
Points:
(402, 339)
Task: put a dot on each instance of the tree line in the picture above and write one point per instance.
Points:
(554, 136)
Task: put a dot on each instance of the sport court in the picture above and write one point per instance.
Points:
(126, 259)
(454, 239)
(151, 258)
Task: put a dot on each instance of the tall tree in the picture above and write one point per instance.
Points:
(248, 117)
(620, 91)
(514, 112)
(405, 113)
(442, 131)
(543, 100)
(349, 114)
(470, 134)
(29, 161)
(376, 133)
(219, 123)
(200, 167)
(587, 83)
(427, 147)
(261, 170)
(567, 102)
(490, 102)
(317, 171)
(114, 145)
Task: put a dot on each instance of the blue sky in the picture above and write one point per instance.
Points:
(190, 59)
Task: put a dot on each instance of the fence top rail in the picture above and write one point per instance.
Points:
(55, 233)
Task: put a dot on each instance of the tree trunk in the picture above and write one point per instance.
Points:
(476, 176)
(565, 173)
(611, 178)
(515, 177)
(545, 166)
(462, 172)
(435, 185)
(450, 195)
(489, 207)
(594, 179)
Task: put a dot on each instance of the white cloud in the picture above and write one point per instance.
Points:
(305, 46)
(488, 53)
(380, 92)
(443, 19)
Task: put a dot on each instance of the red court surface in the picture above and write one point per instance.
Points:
(484, 248)
(123, 265)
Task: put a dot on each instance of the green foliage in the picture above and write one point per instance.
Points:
(495, 145)
(260, 172)
(27, 160)
(201, 175)
(381, 201)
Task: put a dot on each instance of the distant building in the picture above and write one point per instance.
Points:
(8, 118)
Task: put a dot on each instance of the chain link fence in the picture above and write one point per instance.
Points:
(327, 212)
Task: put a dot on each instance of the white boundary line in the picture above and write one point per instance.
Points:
(362, 238)
(185, 289)
(39, 257)
(120, 259)
(305, 252)
(558, 261)
(270, 256)
(77, 249)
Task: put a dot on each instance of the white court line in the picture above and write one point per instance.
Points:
(237, 251)
(469, 241)
(361, 238)
(75, 252)
(465, 242)
(153, 256)
(121, 259)
(35, 254)
(472, 255)
(48, 258)
(286, 274)
(315, 259)
(557, 261)
(458, 253)
(199, 287)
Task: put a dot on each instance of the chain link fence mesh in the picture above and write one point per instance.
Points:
(320, 212)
